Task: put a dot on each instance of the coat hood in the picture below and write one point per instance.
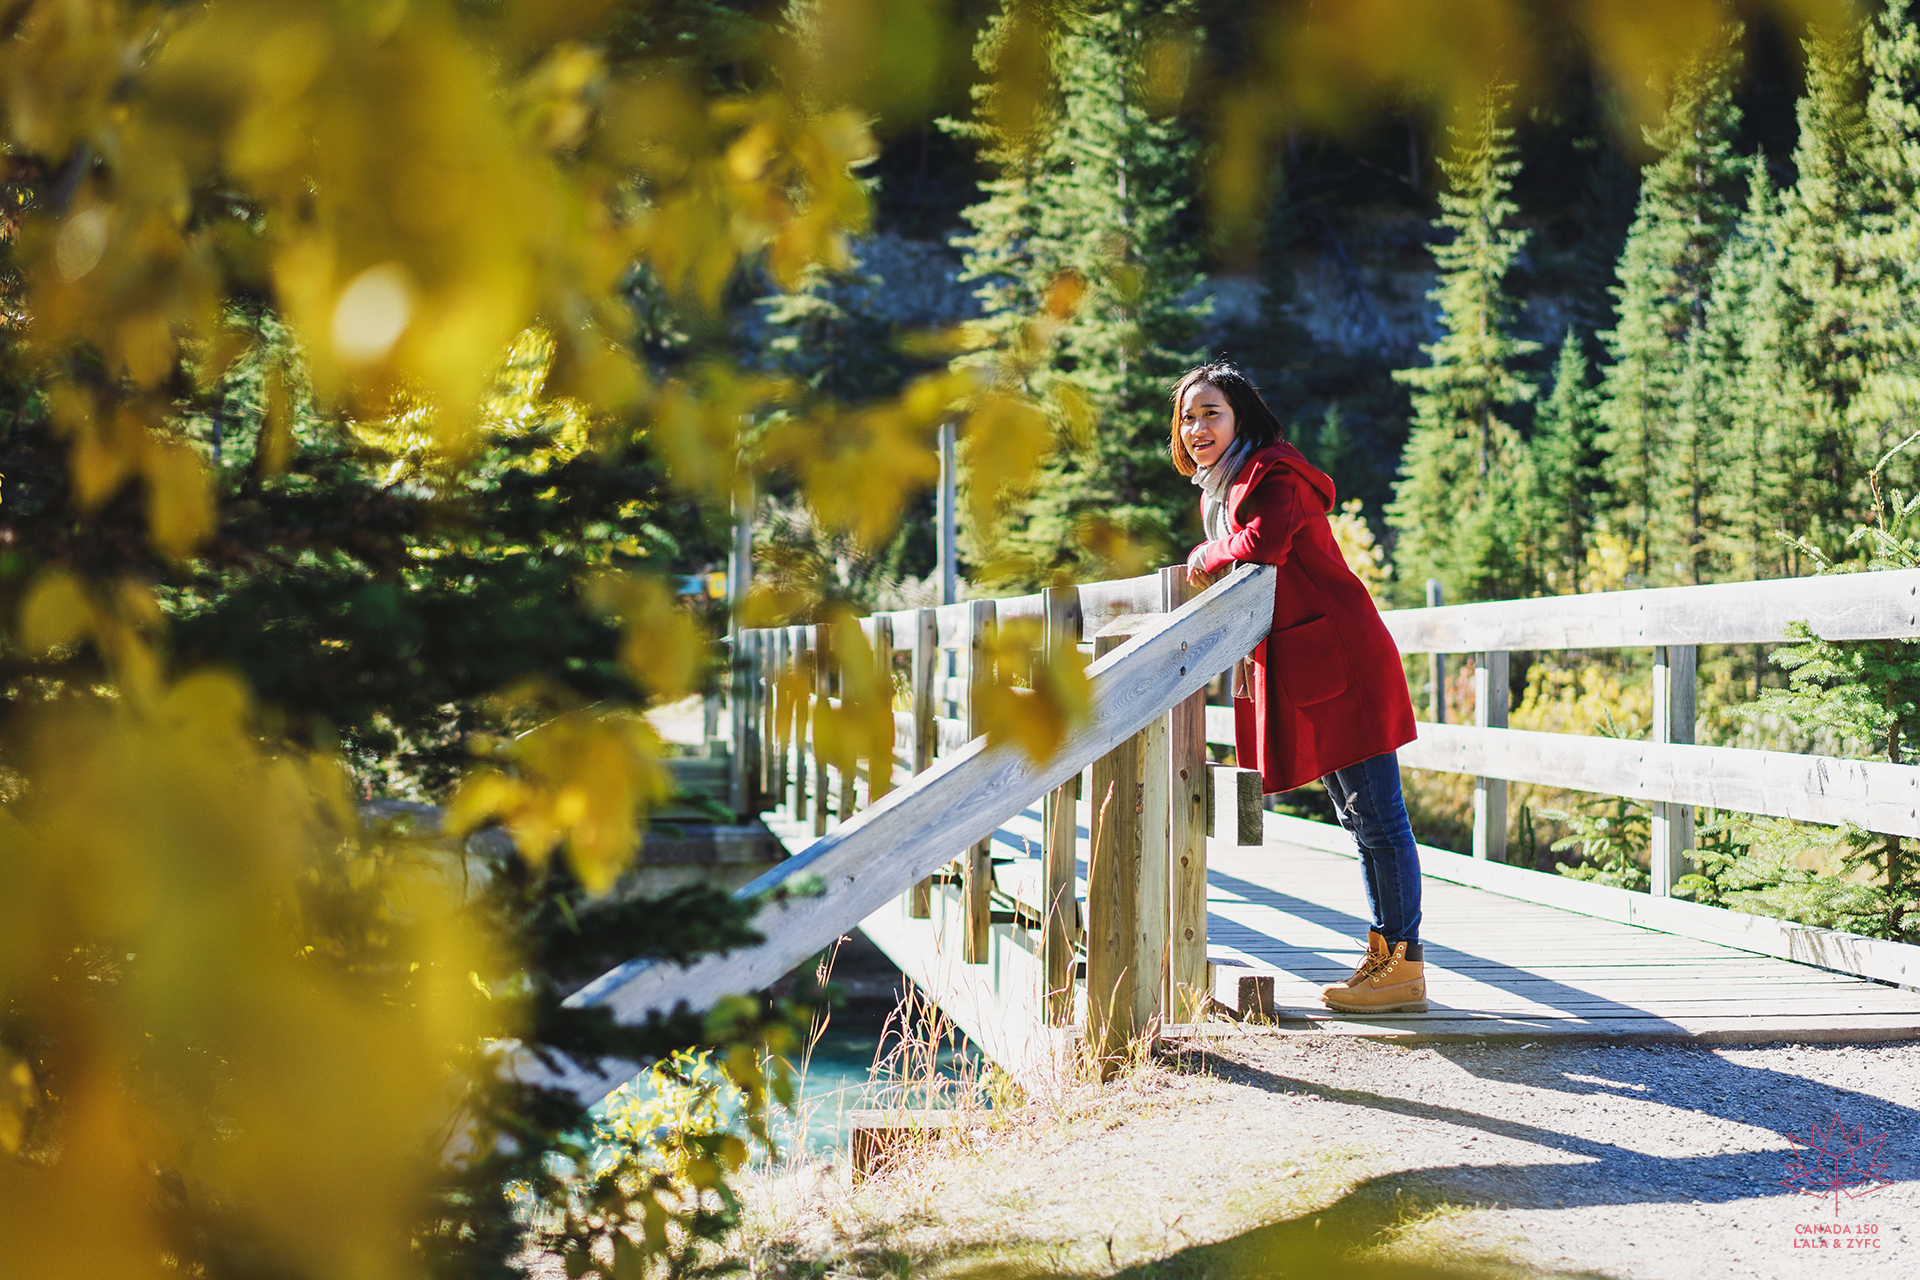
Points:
(1282, 454)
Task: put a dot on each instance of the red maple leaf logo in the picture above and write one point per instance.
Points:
(1836, 1162)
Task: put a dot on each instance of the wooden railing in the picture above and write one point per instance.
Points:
(1669, 771)
(1145, 928)
(1144, 933)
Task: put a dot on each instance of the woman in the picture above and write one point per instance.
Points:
(1324, 695)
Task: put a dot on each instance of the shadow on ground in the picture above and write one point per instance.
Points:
(1326, 1242)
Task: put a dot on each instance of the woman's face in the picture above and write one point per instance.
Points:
(1206, 423)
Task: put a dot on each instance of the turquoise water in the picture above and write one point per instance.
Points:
(855, 1064)
(840, 1076)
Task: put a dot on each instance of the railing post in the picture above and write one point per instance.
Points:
(1437, 662)
(778, 720)
(1113, 879)
(802, 659)
(1675, 670)
(739, 684)
(822, 687)
(926, 653)
(947, 532)
(1126, 887)
(1187, 989)
(1490, 700)
(1060, 826)
(880, 764)
(746, 720)
(763, 746)
(976, 868)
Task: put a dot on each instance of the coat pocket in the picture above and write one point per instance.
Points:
(1312, 666)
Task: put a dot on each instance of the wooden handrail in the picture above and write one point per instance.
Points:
(879, 853)
(1874, 794)
(1838, 606)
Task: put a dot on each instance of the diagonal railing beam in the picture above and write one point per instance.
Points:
(846, 876)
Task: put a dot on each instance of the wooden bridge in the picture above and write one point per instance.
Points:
(977, 871)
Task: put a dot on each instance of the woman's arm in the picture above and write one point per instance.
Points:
(1274, 516)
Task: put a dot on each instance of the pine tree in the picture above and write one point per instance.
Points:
(1687, 201)
(1823, 278)
(1886, 245)
(1760, 409)
(1859, 699)
(1566, 466)
(1453, 505)
(1278, 349)
(1104, 194)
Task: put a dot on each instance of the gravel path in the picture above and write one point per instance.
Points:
(1631, 1161)
(1268, 1154)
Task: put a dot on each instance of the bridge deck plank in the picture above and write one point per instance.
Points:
(1499, 966)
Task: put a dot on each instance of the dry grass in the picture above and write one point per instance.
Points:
(1136, 1177)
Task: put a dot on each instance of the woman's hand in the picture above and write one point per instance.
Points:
(1197, 576)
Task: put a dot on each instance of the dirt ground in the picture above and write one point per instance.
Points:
(1268, 1154)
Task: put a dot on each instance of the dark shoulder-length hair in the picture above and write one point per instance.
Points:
(1253, 421)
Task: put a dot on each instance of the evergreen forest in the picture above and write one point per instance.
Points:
(383, 386)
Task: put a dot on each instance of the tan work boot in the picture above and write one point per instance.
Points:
(1376, 955)
(1397, 984)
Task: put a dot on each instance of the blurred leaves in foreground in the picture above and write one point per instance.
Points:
(353, 394)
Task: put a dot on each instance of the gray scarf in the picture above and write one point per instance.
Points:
(1214, 481)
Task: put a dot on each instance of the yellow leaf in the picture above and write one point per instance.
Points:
(179, 500)
(1026, 693)
(55, 614)
(661, 645)
(1006, 439)
(17, 1097)
(1065, 293)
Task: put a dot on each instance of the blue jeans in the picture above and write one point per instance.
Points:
(1366, 796)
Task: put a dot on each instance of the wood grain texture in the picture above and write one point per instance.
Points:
(1113, 888)
(926, 739)
(1689, 931)
(1100, 602)
(1059, 905)
(1187, 787)
(1151, 940)
(846, 876)
(821, 642)
(798, 780)
(1878, 796)
(1675, 683)
(976, 868)
(1491, 698)
(1841, 606)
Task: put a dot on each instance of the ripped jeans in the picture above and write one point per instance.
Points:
(1366, 796)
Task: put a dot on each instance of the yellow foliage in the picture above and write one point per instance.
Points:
(857, 724)
(585, 778)
(1026, 693)
(1367, 559)
(697, 425)
(185, 950)
(55, 613)
(1006, 440)
(661, 645)
(1610, 557)
(517, 407)
(1583, 701)
(859, 467)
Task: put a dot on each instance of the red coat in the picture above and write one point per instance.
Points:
(1327, 686)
